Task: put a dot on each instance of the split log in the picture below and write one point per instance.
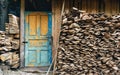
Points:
(6, 56)
(15, 65)
(15, 44)
(13, 19)
(17, 36)
(13, 29)
(7, 28)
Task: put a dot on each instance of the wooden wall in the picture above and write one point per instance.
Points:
(56, 10)
(110, 7)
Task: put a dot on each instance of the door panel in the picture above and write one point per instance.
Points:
(38, 29)
(32, 25)
(44, 25)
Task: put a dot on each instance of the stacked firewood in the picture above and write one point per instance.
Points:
(89, 44)
(9, 43)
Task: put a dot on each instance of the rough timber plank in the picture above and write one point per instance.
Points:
(53, 28)
(67, 6)
(113, 6)
(108, 7)
(101, 6)
(89, 7)
(84, 4)
(57, 22)
(118, 4)
(22, 34)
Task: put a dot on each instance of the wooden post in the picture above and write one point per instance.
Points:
(22, 33)
(53, 28)
(58, 20)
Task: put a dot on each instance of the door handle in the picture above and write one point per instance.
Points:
(51, 40)
(25, 42)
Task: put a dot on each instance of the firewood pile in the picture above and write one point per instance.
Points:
(9, 43)
(89, 44)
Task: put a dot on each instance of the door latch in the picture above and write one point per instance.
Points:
(25, 42)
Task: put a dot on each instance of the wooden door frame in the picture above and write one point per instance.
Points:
(22, 9)
(56, 15)
(22, 35)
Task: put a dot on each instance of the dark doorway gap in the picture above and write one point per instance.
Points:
(38, 5)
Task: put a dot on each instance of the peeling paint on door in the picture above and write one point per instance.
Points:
(38, 29)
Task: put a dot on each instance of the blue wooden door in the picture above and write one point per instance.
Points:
(38, 29)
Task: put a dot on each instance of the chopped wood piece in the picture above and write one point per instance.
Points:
(15, 44)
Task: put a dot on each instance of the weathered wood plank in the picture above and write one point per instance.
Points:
(80, 4)
(53, 28)
(67, 6)
(113, 7)
(95, 6)
(118, 4)
(22, 33)
(57, 23)
(84, 5)
(53, 34)
(108, 7)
